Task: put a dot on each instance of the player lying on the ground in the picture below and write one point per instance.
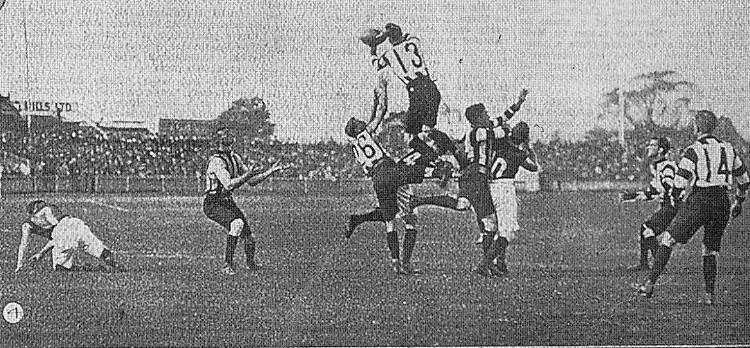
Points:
(66, 235)
(711, 166)
(389, 177)
(662, 188)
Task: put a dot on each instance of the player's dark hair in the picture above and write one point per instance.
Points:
(393, 31)
(663, 143)
(475, 114)
(34, 206)
(520, 132)
(705, 121)
(354, 127)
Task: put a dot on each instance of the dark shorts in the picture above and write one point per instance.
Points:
(386, 179)
(223, 211)
(424, 102)
(661, 219)
(707, 208)
(476, 189)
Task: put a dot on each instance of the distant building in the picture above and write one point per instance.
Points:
(185, 128)
(126, 128)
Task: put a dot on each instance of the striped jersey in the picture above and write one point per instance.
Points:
(231, 162)
(404, 59)
(478, 145)
(367, 150)
(710, 162)
(662, 181)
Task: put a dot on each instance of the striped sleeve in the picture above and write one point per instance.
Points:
(667, 175)
(686, 168)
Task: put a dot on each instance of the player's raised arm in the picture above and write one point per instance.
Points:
(512, 110)
(379, 106)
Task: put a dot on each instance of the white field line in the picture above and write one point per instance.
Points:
(108, 206)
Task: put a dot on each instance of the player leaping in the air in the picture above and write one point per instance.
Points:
(461, 202)
(661, 187)
(408, 64)
(65, 236)
(389, 176)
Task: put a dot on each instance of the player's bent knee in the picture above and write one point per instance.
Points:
(667, 240)
(708, 252)
(463, 204)
(647, 232)
(409, 220)
(236, 227)
(490, 223)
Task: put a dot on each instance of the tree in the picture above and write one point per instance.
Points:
(653, 94)
(249, 117)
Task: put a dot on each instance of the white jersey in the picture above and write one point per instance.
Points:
(404, 59)
(367, 151)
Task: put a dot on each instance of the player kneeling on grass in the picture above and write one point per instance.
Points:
(66, 235)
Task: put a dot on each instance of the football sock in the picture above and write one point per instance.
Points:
(250, 250)
(502, 245)
(486, 241)
(709, 272)
(644, 251)
(651, 245)
(662, 257)
(440, 201)
(410, 239)
(392, 238)
(231, 245)
(371, 216)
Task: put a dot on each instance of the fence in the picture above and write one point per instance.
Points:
(195, 186)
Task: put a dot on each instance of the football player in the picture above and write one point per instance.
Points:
(407, 63)
(661, 187)
(391, 180)
(512, 153)
(65, 235)
(459, 160)
(711, 166)
(226, 172)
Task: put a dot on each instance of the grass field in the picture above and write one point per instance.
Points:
(568, 286)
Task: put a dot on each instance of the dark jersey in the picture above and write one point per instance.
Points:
(508, 158)
(414, 164)
(42, 232)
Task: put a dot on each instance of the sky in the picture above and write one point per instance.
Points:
(142, 60)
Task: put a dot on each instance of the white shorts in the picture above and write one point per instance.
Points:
(504, 197)
(72, 235)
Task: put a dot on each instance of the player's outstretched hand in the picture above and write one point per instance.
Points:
(626, 196)
(736, 208)
(522, 96)
(277, 166)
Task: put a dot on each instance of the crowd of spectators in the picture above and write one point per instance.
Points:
(86, 151)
